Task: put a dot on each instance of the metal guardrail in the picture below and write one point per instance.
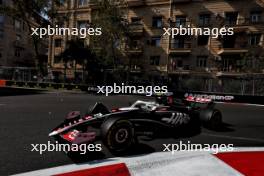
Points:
(48, 86)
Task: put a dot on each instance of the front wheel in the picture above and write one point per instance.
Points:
(118, 136)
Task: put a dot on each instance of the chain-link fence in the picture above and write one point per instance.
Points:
(18, 73)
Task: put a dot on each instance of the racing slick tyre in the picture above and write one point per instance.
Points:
(118, 135)
(211, 118)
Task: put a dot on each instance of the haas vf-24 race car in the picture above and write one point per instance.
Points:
(120, 128)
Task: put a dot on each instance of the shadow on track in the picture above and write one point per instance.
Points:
(224, 127)
(9, 91)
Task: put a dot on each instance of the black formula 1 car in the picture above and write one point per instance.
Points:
(120, 128)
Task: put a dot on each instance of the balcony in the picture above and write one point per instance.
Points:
(243, 23)
(185, 70)
(134, 50)
(135, 69)
(177, 24)
(232, 73)
(235, 49)
(181, 1)
(136, 28)
(136, 2)
(180, 48)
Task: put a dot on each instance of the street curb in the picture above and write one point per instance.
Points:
(188, 163)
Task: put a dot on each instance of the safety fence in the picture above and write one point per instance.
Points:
(47, 85)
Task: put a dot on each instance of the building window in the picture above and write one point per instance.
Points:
(176, 63)
(24, 26)
(58, 43)
(17, 52)
(135, 44)
(255, 16)
(1, 34)
(225, 65)
(155, 60)
(1, 2)
(18, 37)
(155, 41)
(82, 3)
(204, 19)
(201, 61)
(82, 24)
(57, 59)
(60, 3)
(179, 63)
(229, 63)
(178, 43)
(116, 43)
(231, 18)
(157, 22)
(1, 19)
(136, 20)
(180, 21)
(203, 40)
(17, 25)
(254, 39)
(229, 41)
(59, 22)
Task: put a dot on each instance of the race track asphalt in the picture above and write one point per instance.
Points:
(28, 119)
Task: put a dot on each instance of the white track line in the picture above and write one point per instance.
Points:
(234, 137)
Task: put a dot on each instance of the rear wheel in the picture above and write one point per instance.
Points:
(216, 119)
(211, 118)
(118, 136)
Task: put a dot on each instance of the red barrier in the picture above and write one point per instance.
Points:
(2, 83)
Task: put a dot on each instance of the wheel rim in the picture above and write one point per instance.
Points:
(121, 135)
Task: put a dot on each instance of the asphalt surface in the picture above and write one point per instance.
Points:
(28, 119)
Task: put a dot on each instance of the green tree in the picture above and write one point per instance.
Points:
(252, 63)
(110, 16)
(78, 53)
(28, 11)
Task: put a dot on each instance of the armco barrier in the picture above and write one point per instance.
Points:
(218, 97)
(48, 86)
